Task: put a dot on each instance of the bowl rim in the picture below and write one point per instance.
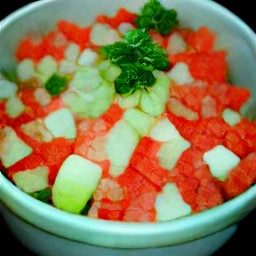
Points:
(13, 198)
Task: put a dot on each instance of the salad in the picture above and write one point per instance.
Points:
(132, 118)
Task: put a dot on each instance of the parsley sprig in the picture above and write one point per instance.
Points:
(154, 16)
(138, 57)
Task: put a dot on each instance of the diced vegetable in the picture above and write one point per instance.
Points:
(32, 180)
(121, 143)
(221, 161)
(7, 89)
(61, 123)
(77, 176)
(12, 148)
(170, 205)
(139, 120)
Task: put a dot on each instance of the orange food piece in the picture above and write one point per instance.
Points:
(28, 49)
(121, 16)
(54, 153)
(111, 210)
(208, 194)
(206, 66)
(148, 147)
(241, 139)
(28, 163)
(141, 195)
(190, 95)
(112, 115)
(74, 33)
(150, 168)
(237, 97)
(202, 40)
(240, 177)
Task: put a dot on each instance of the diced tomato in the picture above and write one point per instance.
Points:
(150, 168)
(111, 210)
(112, 115)
(186, 128)
(27, 49)
(122, 16)
(237, 97)
(141, 195)
(208, 194)
(241, 139)
(54, 153)
(28, 163)
(190, 95)
(74, 33)
(148, 147)
(54, 105)
(54, 44)
(202, 40)
(206, 66)
(29, 100)
(240, 177)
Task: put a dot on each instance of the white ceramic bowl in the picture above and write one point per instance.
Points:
(51, 232)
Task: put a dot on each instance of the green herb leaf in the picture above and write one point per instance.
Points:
(154, 16)
(56, 84)
(11, 76)
(138, 57)
(133, 77)
(43, 195)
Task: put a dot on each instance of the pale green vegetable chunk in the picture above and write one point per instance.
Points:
(221, 161)
(170, 205)
(231, 117)
(61, 123)
(121, 143)
(32, 180)
(75, 183)
(139, 120)
(12, 148)
(170, 152)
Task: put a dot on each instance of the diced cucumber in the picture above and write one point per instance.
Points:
(180, 74)
(103, 98)
(87, 58)
(26, 70)
(121, 142)
(86, 79)
(8, 89)
(72, 52)
(139, 120)
(32, 180)
(37, 130)
(231, 117)
(12, 148)
(103, 34)
(90, 104)
(153, 101)
(129, 101)
(164, 130)
(170, 205)
(14, 107)
(221, 161)
(42, 96)
(109, 71)
(171, 151)
(67, 67)
(61, 123)
(176, 44)
(47, 66)
(75, 183)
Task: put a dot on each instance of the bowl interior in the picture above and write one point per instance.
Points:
(233, 35)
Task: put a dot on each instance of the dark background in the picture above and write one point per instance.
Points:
(244, 239)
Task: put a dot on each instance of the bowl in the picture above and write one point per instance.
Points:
(49, 231)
